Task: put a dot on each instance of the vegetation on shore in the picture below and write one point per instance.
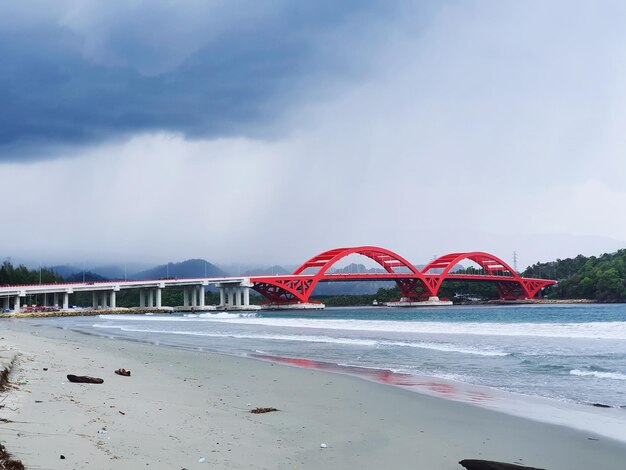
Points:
(601, 278)
(10, 274)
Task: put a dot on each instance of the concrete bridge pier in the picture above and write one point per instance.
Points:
(185, 297)
(7, 302)
(235, 295)
(55, 299)
(157, 296)
(200, 292)
(66, 300)
(94, 299)
(142, 298)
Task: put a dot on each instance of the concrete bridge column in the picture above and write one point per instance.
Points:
(201, 296)
(221, 296)
(246, 296)
(142, 298)
(66, 300)
(150, 298)
(158, 297)
(237, 296)
(16, 304)
(113, 299)
(55, 299)
(185, 297)
(94, 300)
(7, 302)
(194, 297)
(231, 293)
(45, 299)
(104, 299)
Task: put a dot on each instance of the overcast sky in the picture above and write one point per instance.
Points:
(266, 132)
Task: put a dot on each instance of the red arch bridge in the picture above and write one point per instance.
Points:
(413, 283)
(296, 288)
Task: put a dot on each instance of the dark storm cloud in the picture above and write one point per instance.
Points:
(81, 76)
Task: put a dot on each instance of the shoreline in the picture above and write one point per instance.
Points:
(169, 310)
(365, 424)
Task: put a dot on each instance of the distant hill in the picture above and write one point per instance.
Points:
(356, 268)
(65, 271)
(112, 271)
(271, 271)
(601, 278)
(87, 276)
(188, 268)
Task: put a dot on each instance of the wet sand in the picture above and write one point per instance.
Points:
(179, 407)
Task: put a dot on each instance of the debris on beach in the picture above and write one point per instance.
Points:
(491, 465)
(124, 372)
(323, 445)
(84, 379)
(257, 411)
(7, 461)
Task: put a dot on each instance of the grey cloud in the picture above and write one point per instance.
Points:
(83, 73)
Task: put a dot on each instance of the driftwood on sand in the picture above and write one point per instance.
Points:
(257, 411)
(85, 379)
(490, 465)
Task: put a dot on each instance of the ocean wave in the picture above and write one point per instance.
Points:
(591, 330)
(444, 347)
(598, 374)
(151, 317)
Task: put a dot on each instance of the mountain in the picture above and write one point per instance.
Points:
(351, 287)
(356, 268)
(271, 271)
(188, 268)
(66, 271)
(111, 271)
(86, 276)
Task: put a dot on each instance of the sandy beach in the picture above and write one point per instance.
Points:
(190, 410)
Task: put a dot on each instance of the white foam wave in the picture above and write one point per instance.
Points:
(150, 317)
(599, 375)
(593, 330)
(445, 347)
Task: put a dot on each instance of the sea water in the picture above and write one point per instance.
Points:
(570, 354)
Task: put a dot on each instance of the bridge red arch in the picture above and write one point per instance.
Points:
(509, 283)
(299, 286)
(412, 282)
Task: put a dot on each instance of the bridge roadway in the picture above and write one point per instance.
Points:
(232, 289)
(295, 289)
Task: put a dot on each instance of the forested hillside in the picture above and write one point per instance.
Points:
(600, 278)
(10, 274)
